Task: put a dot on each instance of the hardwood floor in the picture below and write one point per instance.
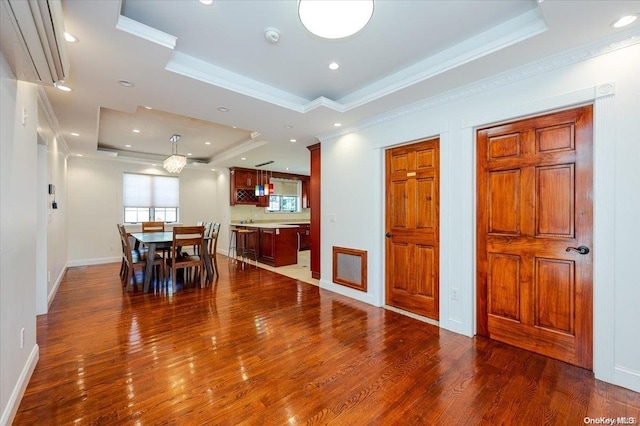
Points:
(258, 348)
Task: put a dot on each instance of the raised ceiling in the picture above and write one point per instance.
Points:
(188, 61)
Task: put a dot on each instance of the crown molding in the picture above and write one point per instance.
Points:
(146, 32)
(513, 31)
(559, 60)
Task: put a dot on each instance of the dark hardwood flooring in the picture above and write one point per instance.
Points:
(258, 348)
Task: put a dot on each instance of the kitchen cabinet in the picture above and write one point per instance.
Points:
(242, 190)
(244, 179)
(278, 246)
(243, 186)
(306, 196)
(304, 232)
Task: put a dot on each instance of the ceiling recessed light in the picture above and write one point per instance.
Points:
(223, 109)
(213, 170)
(288, 126)
(334, 66)
(70, 37)
(292, 140)
(337, 124)
(126, 83)
(624, 21)
(136, 131)
(188, 153)
(148, 107)
(78, 155)
(206, 2)
(207, 143)
(286, 168)
(243, 158)
(75, 134)
(127, 146)
(62, 87)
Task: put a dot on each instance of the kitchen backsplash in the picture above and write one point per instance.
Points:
(258, 214)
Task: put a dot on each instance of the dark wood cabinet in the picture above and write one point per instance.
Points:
(304, 232)
(244, 179)
(278, 246)
(243, 186)
(306, 196)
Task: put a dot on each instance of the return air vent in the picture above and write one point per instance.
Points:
(350, 267)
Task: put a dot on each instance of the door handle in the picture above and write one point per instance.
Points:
(388, 235)
(580, 250)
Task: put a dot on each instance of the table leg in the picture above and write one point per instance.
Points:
(148, 270)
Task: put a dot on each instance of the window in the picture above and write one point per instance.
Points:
(148, 197)
(286, 197)
(283, 203)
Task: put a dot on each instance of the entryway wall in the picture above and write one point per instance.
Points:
(353, 200)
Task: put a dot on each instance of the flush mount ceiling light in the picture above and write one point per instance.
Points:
(174, 163)
(335, 19)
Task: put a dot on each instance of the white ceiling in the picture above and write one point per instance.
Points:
(186, 60)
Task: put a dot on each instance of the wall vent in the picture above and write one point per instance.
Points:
(350, 268)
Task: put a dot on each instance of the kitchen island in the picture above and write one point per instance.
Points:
(276, 244)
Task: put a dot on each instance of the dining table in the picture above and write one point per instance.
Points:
(160, 240)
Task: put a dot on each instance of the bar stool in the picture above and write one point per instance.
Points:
(243, 245)
(233, 244)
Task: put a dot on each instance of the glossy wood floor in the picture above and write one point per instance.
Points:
(257, 348)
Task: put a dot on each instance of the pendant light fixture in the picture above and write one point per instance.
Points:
(335, 19)
(175, 162)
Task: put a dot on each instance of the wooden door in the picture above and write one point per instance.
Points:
(412, 224)
(534, 205)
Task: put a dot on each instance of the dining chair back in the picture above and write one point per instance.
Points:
(184, 236)
(213, 246)
(152, 226)
(132, 259)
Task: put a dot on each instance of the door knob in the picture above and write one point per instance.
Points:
(580, 250)
(388, 235)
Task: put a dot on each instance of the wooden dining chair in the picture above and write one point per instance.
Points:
(184, 236)
(133, 259)
(213, 246)
(156, 227)
(152, 226)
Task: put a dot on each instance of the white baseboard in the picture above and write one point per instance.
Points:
(54, 289)
(348, 292)
(18, 390)
(96, 261)
(627, 378)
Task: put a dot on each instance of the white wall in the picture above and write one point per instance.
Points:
(95, 205)
(18, 179)
(559, 82)
(55, 172)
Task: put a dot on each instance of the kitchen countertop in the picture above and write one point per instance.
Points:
(270, 225)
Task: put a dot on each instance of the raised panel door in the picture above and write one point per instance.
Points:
(534, 206)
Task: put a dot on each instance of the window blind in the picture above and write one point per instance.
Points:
(150, 191)
(285, 187)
